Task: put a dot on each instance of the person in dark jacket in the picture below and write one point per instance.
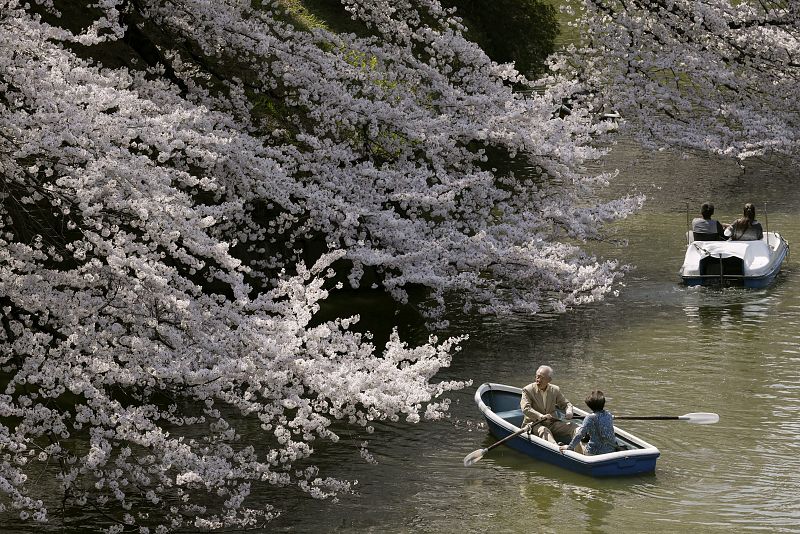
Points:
(704, 227)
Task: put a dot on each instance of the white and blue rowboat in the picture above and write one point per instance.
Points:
(749, 263)
(500, 405)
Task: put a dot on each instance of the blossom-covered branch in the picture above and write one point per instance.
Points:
(714, 75)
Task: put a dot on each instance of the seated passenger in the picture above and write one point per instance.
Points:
(705, 228)
(745, 228)
(539, 402)
(598, 426)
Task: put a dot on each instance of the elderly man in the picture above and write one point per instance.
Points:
(540, 400)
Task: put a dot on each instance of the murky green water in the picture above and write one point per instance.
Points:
(657, 349)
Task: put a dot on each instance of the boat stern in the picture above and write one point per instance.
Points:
(749, 263)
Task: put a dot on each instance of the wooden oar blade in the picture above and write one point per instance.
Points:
(474, 456)
(700, 418)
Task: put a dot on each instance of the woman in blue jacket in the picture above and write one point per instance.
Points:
(598, 425)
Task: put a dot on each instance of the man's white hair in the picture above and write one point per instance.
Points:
(545, 370)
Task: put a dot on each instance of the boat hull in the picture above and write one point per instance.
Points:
(751, 264)
(500, 406)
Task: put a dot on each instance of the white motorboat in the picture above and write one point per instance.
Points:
(747, 263)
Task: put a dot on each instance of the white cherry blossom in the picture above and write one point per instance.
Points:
(716, 75)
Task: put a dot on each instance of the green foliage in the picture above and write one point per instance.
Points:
(522, 31)
(301, 15)
(328, 14)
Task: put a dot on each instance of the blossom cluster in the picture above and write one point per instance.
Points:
(716, 76)
(159, 217)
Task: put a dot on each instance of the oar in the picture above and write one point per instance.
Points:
(698, 418)
(475, 456)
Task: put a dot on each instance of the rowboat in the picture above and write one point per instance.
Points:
(749, 263)
(500, 406)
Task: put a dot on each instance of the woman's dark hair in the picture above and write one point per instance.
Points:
(707, 210)
(596, 400)
(741, 224)
(750, 212)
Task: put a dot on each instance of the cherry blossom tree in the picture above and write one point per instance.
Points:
(716, 75)
(184, 181)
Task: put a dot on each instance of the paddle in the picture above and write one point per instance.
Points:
(698, 418)
(475, 456)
